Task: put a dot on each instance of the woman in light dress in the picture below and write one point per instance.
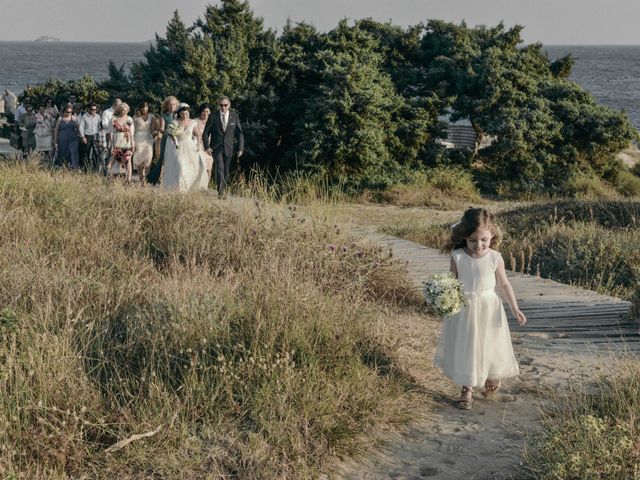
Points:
(44, 132)
(203, 115)
(145, 126)
(184, 169)
(50, 109)
(122, 140)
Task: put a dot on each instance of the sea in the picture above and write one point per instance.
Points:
(611, 73)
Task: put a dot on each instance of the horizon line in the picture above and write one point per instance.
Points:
(153, 40)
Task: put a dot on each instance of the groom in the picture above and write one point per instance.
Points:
(219, 138)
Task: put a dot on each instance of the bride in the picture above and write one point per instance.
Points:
(184, 169)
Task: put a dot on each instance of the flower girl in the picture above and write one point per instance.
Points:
(475, 345)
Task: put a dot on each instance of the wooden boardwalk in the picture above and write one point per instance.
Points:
(563, 314)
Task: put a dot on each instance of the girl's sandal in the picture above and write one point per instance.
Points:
(463, 402)
(490, 387)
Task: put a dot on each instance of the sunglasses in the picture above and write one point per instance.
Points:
(68, 111)
(223, 104)
(93, 109)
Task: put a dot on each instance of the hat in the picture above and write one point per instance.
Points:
(182, 107)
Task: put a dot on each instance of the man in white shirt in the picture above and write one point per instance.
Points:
(89, 129)
(107, 117)
(22, 108)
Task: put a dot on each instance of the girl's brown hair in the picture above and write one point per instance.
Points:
(472, 219)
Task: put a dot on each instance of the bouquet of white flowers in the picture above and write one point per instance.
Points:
(444, 295)
(173, 130)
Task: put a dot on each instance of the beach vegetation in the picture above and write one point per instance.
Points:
(590, 431)
(86, 90)
(147, 334)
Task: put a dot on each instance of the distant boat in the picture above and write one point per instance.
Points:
(46, 39)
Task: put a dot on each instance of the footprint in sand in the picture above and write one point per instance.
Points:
(427, 471)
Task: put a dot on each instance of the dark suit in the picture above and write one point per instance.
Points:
(222, 143)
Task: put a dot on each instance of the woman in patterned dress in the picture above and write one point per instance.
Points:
(122, 140)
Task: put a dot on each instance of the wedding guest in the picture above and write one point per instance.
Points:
(66, 138)
(145, 125)
(107, 117)
(89, 128)
(167, 117)
(78, 111)
(22, 108)
(50, 109)
(72, 102)
(44, 132)
(122, 140)
(10, 105)
(28, 127)
(203, 116)
(222, 135)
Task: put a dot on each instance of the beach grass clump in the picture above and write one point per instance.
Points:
(437, 187)
(150, 335)
(591, 433)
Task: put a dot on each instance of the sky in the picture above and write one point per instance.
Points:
(552, 22)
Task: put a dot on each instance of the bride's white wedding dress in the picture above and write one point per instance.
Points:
(184, 170)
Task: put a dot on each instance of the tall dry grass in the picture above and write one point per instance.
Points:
(243, 341)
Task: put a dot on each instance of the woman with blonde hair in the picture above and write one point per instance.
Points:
(167, 117)
(144, 124)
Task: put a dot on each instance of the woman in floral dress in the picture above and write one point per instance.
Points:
(122, 140)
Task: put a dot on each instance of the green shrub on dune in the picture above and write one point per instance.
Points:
(243, 342)
(591, 434)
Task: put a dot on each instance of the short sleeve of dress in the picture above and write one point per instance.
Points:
(496, 259)
(455, 255)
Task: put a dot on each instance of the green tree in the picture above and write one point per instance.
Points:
(347, 127)
(85, 89)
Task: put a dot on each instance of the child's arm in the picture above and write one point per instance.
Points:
(505, 286)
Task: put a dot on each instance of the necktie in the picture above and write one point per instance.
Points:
(224, 122)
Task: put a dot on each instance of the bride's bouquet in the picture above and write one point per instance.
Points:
(444, 295)
(173, 131)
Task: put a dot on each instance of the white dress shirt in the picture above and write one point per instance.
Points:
(21, 110)
(107, 117)
(89, 124)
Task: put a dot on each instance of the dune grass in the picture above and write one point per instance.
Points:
(591, 434)
(244, 342)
